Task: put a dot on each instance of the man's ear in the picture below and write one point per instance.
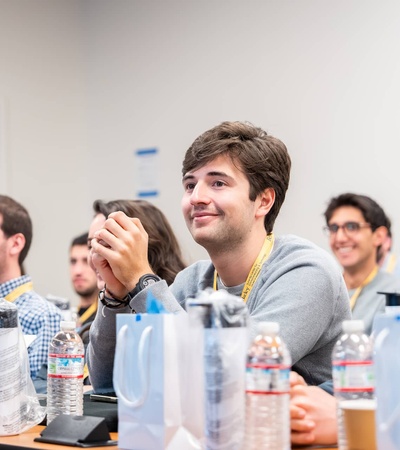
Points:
(380, 235)
(16, 243)
(267, 200)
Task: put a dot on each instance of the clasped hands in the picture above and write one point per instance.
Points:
(119, 253)
(312, 414)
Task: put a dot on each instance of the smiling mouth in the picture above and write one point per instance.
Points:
(344, 250)
(199, 214)
(200, 218)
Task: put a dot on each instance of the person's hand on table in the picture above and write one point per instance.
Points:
(296, 379)
(312, 414)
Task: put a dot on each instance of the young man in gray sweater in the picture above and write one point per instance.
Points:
(235, 178)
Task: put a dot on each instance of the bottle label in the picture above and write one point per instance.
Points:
(353, 376)
(267, 379)
(65, 366)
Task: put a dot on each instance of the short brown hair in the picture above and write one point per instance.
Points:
(16, 219)
(165, 256)
(262, 158)
(82, 239)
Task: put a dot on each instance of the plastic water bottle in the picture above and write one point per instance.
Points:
(353, 372)
(387, 368)
(267, 391)
(65, 373)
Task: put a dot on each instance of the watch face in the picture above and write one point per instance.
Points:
(148, 280)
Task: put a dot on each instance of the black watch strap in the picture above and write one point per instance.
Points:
(144, 281)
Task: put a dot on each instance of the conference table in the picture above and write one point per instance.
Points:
(25, 441)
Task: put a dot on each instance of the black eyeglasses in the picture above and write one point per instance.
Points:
(348, 227)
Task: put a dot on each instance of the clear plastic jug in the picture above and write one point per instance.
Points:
(387, 388)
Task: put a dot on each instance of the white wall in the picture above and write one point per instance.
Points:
(98, 79)
(43, 90)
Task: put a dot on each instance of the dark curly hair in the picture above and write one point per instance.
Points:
(371, 211)
(165, 256)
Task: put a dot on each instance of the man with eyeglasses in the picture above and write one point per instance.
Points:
(357, 228)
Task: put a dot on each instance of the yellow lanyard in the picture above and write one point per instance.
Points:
(357, 293)
(91, 310)
(391, 264)
(14, 294)
(85, 371)
(264, 254)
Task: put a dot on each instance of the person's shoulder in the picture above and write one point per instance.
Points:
(293, 254)
(383, 275)
(387, 281)
(296, 242)
(193, 278)
(293, 246)
(198, 268)
(42, 304)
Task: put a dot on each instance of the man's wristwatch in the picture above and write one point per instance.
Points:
(144, 281)
(116, 303)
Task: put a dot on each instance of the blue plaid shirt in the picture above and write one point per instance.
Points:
(36, 316)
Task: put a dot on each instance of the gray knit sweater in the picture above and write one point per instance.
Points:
(300, 287)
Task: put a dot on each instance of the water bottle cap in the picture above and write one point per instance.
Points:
(268, 327)
(349, 326)
(67, 325)
(392, 298)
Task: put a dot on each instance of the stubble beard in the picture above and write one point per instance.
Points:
(222, 240)
(88, 292)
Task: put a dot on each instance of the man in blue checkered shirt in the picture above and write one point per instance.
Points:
(36, 315)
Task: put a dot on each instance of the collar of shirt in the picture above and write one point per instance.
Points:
(9, 286)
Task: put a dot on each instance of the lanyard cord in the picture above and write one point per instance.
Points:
(255, 270)
(15, 293)
(391, 263)
(357, 293)
(91, 310)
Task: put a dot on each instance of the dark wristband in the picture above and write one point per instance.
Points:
(113, 302)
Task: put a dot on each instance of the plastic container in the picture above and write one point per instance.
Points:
(223, 319)
(267, 391)
(353, 372)
(387, 369)
(65, 373)
(392, 307)
(11, 405)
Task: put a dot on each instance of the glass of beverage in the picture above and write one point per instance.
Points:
(359, 423)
